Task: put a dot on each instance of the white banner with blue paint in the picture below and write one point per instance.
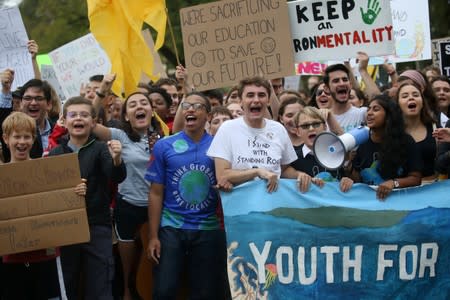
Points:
(325, 244)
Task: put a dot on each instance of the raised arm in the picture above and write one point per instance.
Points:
(33, 48)
(371, 88)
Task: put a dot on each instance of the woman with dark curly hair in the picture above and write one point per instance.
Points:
(389, 158)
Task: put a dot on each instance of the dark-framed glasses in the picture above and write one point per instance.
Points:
(309, 125)
(195, 106)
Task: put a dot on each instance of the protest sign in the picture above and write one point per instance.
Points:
(292, 83)
(158, 67)
(411, 30)
(78, 60)
(38, 206)
(48, 74)
(335, 30)
(435, 51)
(325, 244)
(43, 59)
(226, 41)
(13, 46)
(310, 68)
(444, 58)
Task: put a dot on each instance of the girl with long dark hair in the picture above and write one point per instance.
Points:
(389, 158)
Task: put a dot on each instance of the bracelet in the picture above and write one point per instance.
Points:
(100, 94)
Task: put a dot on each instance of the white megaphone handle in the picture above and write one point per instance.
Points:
(348, 141)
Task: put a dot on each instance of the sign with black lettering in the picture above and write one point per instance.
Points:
(338, 29)
(38, 205)
(13, 46)
(444, 56)
(226, 41)
(436, 51)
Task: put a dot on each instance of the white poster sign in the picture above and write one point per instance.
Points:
(338, 29)
(13, 46)
(48, 74)
(78, 60)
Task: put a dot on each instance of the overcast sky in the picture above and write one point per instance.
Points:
(11, 2)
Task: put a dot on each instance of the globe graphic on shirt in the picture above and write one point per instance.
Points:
(194, 187)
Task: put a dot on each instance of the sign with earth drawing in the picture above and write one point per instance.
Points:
(338, 29)
(226, 41)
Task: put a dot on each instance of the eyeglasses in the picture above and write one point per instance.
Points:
(36, 98)
(308, 125)
(320, 91)
(196, 106)
(76, 114)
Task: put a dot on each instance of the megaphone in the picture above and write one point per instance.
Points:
(330, 149)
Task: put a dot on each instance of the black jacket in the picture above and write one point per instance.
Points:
(97, 167)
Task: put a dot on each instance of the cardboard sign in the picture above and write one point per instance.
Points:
(78, 60)
(13, 46)
(158, 67)
(226, 41)
(435, 51)
(445, 58)
(48, 74)
(38, 207)
(334, 30)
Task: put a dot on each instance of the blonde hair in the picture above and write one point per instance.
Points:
(311, 112)
(19, 121)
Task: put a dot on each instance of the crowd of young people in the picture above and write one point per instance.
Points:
(161, 155)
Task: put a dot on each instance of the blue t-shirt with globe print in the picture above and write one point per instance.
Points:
(188, 175)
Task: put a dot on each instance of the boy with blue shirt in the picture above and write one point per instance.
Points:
(184, 226)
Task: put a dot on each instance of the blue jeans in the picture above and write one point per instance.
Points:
(201, 252)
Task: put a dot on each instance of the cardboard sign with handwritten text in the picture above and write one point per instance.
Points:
(228, 40)
(38, 206)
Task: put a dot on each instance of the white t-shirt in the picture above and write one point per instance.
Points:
(352, 118)
(246, 147)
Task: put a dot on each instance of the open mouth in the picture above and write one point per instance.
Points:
(78, 126)
(412, 105)
(342, 92)
(312, 136)
(190, 119)
(140, 115)
(21, 149)
(33, 111)
(255, 109)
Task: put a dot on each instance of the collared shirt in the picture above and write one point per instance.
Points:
(5, 100)
(306, 150)
(45, 134)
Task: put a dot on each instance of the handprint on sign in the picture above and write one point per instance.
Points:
(372, 12)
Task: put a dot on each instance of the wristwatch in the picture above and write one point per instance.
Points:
(396, 183)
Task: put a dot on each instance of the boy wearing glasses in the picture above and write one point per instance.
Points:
(253, 146)
(99, 163)
(184, 226)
